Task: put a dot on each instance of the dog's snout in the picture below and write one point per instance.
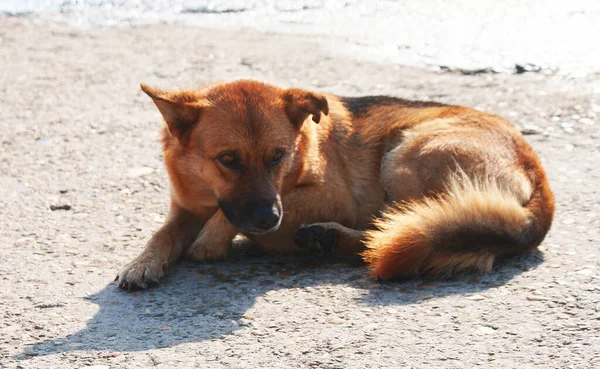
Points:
(255, 217)
(265, 216)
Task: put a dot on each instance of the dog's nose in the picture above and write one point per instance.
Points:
(265, 216)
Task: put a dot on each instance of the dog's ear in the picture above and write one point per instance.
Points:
(181, 110)
(299, 104)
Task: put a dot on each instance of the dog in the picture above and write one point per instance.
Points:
(415, 188)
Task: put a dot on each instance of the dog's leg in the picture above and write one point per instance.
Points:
(213, 241)
(164, 248)
(329, 237)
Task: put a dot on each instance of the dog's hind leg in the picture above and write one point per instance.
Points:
(329, 237)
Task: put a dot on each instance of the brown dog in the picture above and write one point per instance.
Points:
(416, 187)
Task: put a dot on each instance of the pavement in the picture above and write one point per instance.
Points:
(82, 188)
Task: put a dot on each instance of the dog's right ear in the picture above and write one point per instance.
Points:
(299, 104)
(181, 110)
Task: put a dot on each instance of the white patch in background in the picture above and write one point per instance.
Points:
(461, 34)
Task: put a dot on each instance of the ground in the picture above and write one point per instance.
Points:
(82, 188)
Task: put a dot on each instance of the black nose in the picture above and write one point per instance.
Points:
(265, 216)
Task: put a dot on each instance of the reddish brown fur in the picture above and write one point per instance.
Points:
(450, 177)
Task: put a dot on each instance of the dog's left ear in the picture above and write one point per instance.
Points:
(299, 104)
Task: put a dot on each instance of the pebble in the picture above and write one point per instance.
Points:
(49, 305)
(530, 129)
(55, 207)
(561, 282)
(371, 326)
(567, 127)
(485, 330)
(568, 221)
(587, 121)
(476, 297)
(336, 321)
(536, 298)
(422, 295)
(139, 172)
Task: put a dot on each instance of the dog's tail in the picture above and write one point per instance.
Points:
(465, 228)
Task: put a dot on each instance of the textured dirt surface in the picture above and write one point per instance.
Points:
(82, 187)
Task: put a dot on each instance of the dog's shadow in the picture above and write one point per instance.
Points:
(201, 302)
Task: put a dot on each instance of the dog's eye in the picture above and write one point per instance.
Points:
(230, 161)
(276, 159)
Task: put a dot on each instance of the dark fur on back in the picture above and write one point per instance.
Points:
(359, 106)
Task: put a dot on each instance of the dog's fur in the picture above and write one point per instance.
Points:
(416, 188)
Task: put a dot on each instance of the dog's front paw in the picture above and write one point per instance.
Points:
(316, 238)
(141, 272)
(202, 250)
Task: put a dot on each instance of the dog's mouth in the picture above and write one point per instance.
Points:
(253, 230)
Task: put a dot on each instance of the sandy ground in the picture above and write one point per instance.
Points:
(78, 136)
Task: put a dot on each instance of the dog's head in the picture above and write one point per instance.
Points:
(236, 145)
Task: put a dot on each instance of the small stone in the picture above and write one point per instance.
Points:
(536, 298)
(586, 121)
(561, 282)
(568, 221)
(422, 296)
(139, 172)
(60, 207)
(530, 129)
(336, 321)
(49, 305)
(476, 297)
(484, 330)
(528, 67)
(371, 326)
(566, 127)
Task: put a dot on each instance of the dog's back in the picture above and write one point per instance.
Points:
(462, 187)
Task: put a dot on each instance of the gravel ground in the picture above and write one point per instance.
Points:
(82, 187)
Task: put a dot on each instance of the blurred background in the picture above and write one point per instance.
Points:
(460, 33)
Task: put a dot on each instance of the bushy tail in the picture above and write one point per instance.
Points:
(463, 229)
